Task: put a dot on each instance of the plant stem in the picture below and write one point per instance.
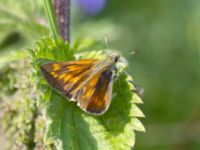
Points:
(62, 9)
(51, 18)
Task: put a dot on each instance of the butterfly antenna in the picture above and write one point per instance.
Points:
(134, 52)
(106, 40)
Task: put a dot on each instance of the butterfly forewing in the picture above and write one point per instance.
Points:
(66, 77)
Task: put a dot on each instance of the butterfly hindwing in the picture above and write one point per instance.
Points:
(66, 77)
(95, 96)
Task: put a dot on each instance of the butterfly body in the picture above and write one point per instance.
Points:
(87, 81)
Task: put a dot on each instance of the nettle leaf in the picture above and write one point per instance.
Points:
(68, 127)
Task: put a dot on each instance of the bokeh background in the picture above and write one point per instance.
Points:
(166, 34)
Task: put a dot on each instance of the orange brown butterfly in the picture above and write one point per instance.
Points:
(89, 82)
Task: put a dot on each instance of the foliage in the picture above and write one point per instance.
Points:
(19, 104)
(69, 127)
(166, 66)
(19, 114)
(50, 13)
(21, 17)
(20, 25)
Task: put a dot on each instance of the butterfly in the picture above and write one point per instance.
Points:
(88, 82)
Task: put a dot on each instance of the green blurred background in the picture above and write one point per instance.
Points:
(167, 66)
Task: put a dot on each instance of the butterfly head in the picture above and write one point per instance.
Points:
(117, 60)
(114, 57)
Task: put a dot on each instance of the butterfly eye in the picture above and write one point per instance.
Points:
(116, 58)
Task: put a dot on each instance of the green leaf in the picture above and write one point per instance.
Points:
(18, 17)
(69, 127)
(20, 25)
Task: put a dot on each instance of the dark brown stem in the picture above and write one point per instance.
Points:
(62, 9)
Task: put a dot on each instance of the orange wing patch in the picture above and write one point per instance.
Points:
(56, 67)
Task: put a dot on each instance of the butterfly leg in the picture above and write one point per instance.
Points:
(115, 73)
